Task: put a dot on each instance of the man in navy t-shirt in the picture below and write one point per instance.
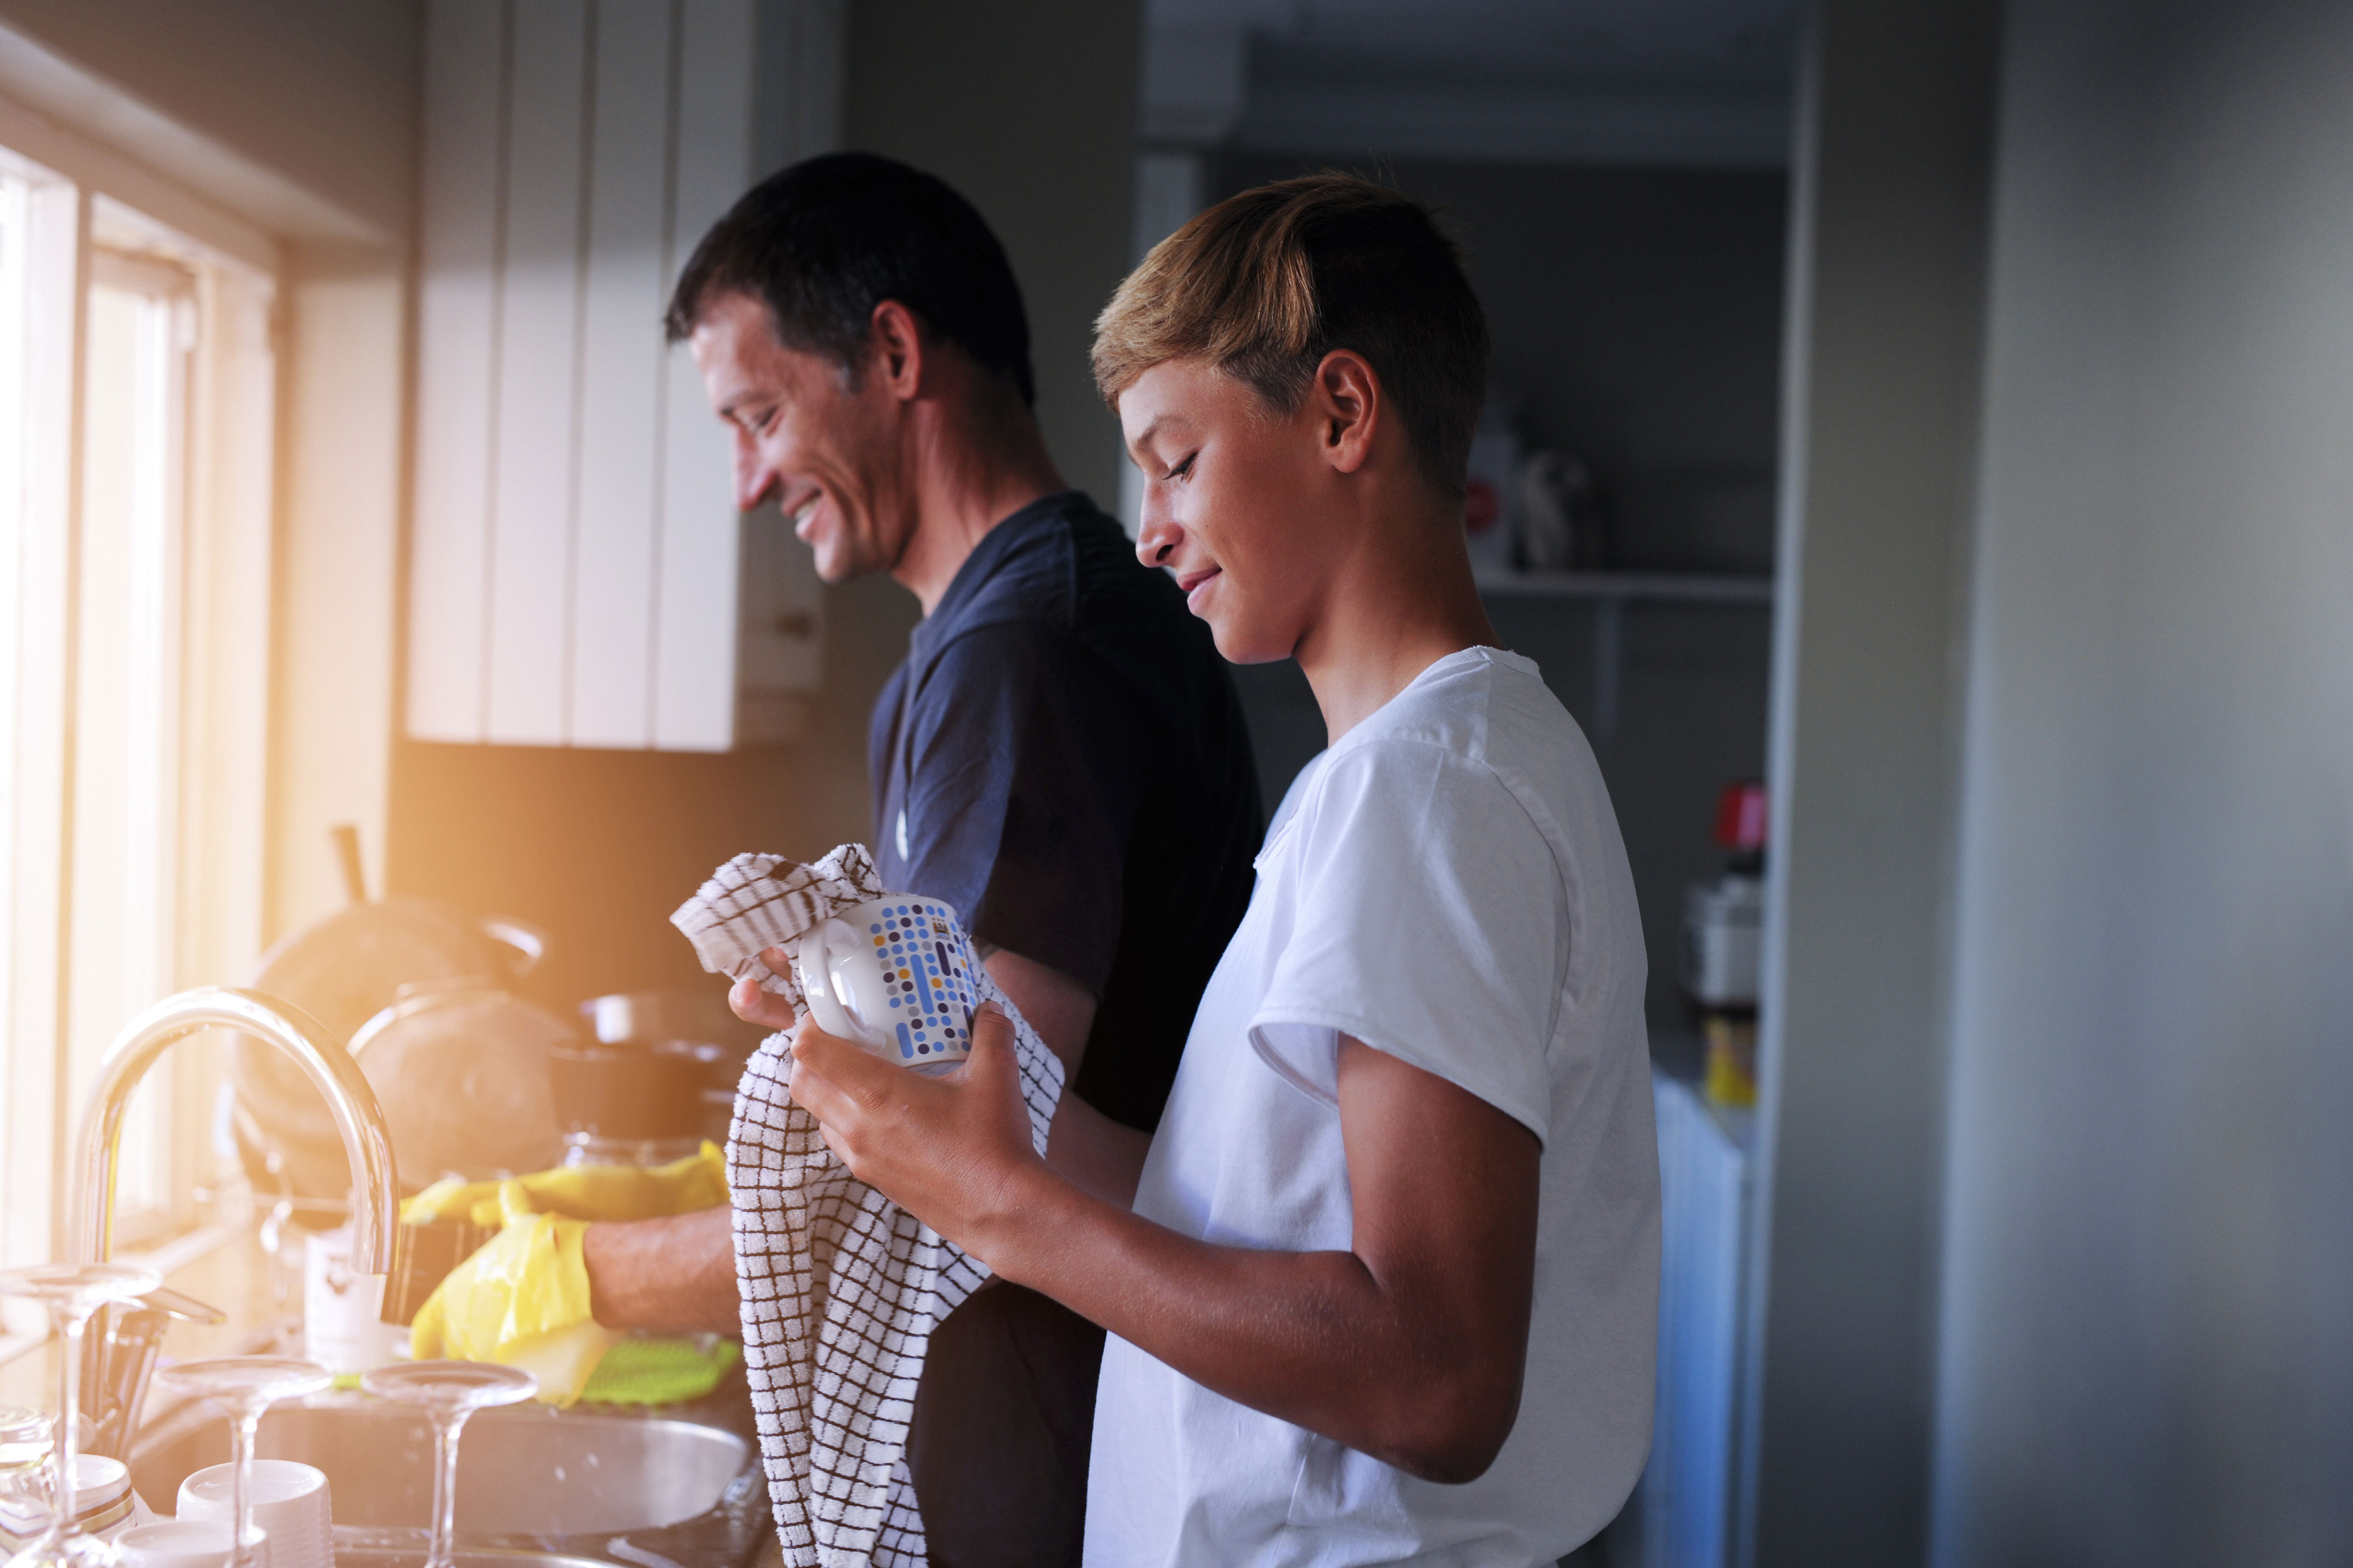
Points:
(1062, 756)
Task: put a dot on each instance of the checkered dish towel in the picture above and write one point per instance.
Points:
(842, 1289)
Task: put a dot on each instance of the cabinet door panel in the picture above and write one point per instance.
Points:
(457, 308)
(535, 478)
(622, 368)
(694, 666)
(577, 575)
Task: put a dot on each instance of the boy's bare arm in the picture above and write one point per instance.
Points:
(1103, 1157)
(1409, 1347)
(678, 1276)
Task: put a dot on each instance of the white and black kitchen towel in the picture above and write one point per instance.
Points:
(842, 1289)
(757, 901)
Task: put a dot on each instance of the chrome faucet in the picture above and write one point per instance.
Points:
(118, 1381)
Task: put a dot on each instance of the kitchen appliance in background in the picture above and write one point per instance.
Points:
(460, 1069)
(634, 1103)
(1724, 933)
(1487, 493)
(1559, 521)
(657, 1079)
(343, 969)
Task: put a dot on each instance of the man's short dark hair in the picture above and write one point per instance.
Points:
(825, 241)
(1266, 283)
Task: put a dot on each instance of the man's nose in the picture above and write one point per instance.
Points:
(753, 478)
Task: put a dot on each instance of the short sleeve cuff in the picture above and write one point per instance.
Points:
(1303, 1046)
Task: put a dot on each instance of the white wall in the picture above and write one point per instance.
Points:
(1027, 109)
(1880, 409)
(341, 403)
(2147, 1335)
(304, 108)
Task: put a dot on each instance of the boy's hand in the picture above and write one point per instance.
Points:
(754, 1005)
(953, 1150)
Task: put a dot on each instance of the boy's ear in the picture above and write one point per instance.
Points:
(1350, 406)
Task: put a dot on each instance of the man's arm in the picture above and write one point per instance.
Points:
(673, 1276)
(1409, 1346)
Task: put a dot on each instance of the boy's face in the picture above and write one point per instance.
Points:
(1236, 503)
(825, 451)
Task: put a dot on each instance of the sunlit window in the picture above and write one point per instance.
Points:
(135, 410)
(139, 330)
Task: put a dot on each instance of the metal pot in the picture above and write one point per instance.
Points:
(343, 970)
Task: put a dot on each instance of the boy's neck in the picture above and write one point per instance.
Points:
(1394, 608)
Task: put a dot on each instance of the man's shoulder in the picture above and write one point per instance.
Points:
(1042, 563)
(1068, 585)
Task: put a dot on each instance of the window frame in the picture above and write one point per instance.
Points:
(87, 216)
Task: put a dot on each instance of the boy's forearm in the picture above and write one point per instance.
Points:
(1104, 1157)
(670, 1276)
(1312, 1337)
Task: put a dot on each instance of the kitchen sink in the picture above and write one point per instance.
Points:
(602, 1487)
(350, 1556)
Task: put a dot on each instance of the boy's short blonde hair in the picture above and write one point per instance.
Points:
(1265, 284)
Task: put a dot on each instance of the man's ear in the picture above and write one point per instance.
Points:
(1349, 405)
(895, 348)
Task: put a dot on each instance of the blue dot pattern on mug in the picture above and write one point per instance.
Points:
(928, 962)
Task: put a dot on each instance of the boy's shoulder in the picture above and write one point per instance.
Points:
(1487, 710)
(1483, 713)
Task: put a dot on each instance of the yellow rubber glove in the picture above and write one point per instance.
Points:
(523, 1298)
(584, 1192)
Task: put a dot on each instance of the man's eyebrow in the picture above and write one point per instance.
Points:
(1144, 437)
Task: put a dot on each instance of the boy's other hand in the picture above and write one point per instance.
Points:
(952, 1150)
(754, 1005)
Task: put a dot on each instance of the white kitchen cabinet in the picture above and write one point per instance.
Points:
(578, 573)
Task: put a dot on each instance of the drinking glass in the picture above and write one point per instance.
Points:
(248, 1385)
(449, 1392)
(73, 1292)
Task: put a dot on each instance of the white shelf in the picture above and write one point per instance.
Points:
(1687, 587)
(1610, 592)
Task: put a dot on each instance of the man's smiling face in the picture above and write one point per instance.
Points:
(1231, 494)
(825, 450)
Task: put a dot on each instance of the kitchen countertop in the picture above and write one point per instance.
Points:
(233, 1276)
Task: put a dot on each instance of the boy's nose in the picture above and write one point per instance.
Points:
(1157, 538)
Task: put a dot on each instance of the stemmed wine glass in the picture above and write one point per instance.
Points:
(449, 1393)
(73, 1292)
(248, 1385)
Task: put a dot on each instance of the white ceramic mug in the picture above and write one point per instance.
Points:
(290, 1502)
(181, 1543)
(897, 975)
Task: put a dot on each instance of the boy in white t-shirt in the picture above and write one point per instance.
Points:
(1384, 1287)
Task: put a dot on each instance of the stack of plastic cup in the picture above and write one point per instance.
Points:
(180, 1543)
(290, 1504)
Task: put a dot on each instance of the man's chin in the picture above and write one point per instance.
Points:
(835, 565)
